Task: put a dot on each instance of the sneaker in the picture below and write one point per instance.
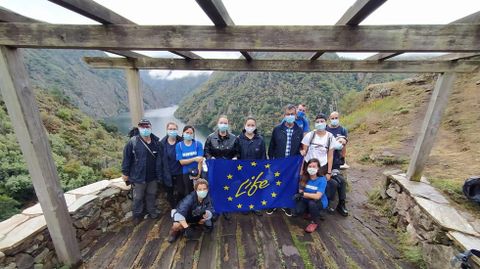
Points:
(172, 237)
(136, 221)
(330, 210)
(271, 210)
(287, 211)
(153, 216)
(257, 212)
(226, 216)
(311, 227)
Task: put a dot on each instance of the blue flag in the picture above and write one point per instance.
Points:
(243, 185)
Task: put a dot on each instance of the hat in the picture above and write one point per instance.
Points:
(144, 122)
(193, 172)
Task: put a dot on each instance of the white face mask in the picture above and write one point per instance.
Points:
(250, 130)
(312, 171)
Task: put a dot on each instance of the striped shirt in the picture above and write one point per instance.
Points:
(289, 141)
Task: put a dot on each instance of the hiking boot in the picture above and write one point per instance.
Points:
(173, 235)
(342, 209)
(311, 227)
(271, 210)
(287, 211)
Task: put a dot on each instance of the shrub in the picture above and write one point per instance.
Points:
(64, 114)
(8, 207)
(20, 187)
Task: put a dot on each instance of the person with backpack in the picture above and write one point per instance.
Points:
(338, 183)
(286, 141)
(189, 153)
(172, 167)
(142, 167)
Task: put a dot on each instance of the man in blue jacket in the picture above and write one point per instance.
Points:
(286, 141)
(142, 166)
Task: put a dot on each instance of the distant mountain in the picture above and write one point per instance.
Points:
(264, 94)
(172, 91)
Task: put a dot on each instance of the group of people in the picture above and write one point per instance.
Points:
(177, 161)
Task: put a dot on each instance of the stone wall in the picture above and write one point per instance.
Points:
(430, 220)
(95, 208)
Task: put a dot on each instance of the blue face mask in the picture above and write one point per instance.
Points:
(145, 131)
(301, 114)
(290, 119)
(187, 137)
(222, 127)
(172, 133)
(320, 126)
(335, 122)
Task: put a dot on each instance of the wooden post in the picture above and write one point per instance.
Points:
(431, 123)
(135, 97)
(31, 135)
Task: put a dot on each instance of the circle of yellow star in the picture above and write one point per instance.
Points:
(239, 206)
(279, 183)
(251, 206)
(267, 165)
(230, 198)
(230, 176)
(274, 194)
(226, 188)
(253, 163)
(264, 202)
(277, 174)
(239, 167)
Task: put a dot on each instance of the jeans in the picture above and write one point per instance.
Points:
(308, 205)
(336, 184)
(144, 193)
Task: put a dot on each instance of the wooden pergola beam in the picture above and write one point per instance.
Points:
(472, 18)
(414, 38)
(99, 13)
(218, 14)
(359, 11)
(7, 15)
(285, 65)
(455, 56)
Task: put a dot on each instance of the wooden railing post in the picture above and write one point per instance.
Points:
(431, 124)
(135, 96)
(23, 110)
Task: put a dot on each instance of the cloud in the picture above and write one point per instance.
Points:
(175, 74)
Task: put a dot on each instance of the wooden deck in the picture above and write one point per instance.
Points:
(249, 241)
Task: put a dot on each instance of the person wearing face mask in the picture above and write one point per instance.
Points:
(286, 141)
(338, 184)
(195, 209)
(142, 166)
(189, 153)
(252, 145)
(172, 168)
(302, 120)
(311, 198)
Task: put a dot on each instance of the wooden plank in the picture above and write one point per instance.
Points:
(97, 12)
(250, 255)
(420, 38)
(431, 124)
(209, 248)
(359, 11)
(286, 65)
(472, 18)
(265, 239)
(30, 132)
(150, 250)
(103, 257)
(99, 244)
(135, 96)
(455, 56)
(7, 15)
(291, 256)
(228, 243)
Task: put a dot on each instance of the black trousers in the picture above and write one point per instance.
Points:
(309, 205)
(184, 186)
(336, 184)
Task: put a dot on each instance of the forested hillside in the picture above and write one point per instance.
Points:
(263, 94)
(84, 151)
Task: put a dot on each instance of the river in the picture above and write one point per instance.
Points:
(159, 119)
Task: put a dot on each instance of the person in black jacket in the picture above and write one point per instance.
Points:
(172, 168)
(251, 143)
(286, 141)
(142, 166)
(195, 208)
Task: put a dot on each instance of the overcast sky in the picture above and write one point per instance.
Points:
(252, 12)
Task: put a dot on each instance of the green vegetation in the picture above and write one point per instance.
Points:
(83, 150)
(410, 251)
(453, 189)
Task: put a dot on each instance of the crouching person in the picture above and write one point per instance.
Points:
(310, 199)
(195, 209)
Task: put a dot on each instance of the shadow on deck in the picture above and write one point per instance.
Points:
(249, 241)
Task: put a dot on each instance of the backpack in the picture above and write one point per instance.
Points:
(471, 188)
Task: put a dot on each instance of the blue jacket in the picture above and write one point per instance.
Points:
(278, 143)
(252, 149)
(167, 172)
(190, 202)
(134, 164)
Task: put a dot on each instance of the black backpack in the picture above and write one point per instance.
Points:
(471, 188)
